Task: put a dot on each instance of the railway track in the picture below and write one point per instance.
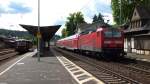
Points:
(145, 66)
(136, 67)
(112, 72)
(7, 53)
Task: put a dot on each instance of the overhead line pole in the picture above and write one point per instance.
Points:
(38, 31)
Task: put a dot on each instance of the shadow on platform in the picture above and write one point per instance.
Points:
(45, 53)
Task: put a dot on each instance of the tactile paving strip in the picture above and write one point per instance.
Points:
(79, 74)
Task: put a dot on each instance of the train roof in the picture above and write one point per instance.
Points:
(70, 37)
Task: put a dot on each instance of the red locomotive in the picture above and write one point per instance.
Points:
(104, 41)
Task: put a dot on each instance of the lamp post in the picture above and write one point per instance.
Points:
(38, 32)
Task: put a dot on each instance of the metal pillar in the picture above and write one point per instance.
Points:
(38, 53)
(48, 45)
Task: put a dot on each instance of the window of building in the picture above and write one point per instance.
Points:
(140, 23)
(134, 13)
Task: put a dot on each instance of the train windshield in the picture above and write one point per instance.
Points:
(109, 34)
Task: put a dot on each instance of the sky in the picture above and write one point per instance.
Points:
(52, 12)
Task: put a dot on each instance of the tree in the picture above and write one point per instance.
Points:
(72, 21)
(70, 24)
(127, 7)
(98, 18)
(94, 18)
(79, 18)
(64, 33)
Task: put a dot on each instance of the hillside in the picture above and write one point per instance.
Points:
(14, 33)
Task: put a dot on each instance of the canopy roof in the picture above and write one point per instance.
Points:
(47, 32)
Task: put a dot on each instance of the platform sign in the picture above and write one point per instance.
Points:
(38, 35)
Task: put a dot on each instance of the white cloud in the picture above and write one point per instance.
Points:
(107, 2)
(10, 21)
(89, 9)
(51, 11)
(108, 16)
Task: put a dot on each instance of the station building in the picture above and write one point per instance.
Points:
(137, 34)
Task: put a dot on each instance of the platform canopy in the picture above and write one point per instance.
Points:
(47, 32)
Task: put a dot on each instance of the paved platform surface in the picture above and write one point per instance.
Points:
(29, 71)
(139, 57)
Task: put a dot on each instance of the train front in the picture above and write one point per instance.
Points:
(113, 42)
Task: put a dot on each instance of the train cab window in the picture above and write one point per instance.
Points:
(116, 34)
(108, 34)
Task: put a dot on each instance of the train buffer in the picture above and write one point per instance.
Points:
(27, 70)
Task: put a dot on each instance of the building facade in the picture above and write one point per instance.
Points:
(85, 26)
(137, 35)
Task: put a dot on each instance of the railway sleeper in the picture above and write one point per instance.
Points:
(112, 79)
(120, 82)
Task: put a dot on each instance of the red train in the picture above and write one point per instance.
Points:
(104, 41)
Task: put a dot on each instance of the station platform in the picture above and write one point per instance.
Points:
(28, 70)
(138, 57)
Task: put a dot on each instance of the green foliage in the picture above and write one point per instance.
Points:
(71, 24)
(98, 18)
(64, 33)
(94, 18)
(35, 41)
(12, 33)
(18, 34)
(127, 7)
